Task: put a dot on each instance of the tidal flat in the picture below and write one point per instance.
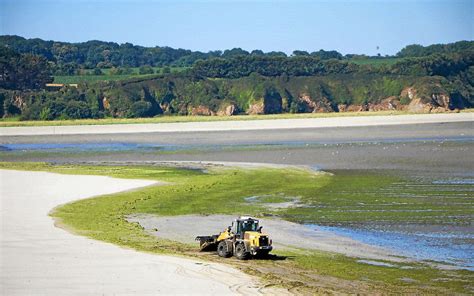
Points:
(329, 199)
(407, 189)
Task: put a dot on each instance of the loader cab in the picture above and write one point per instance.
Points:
(243, 224)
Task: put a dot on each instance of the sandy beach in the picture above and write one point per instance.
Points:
(239, 125)
(38, 258)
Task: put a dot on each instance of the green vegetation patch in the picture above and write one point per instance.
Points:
(110, 74)
(224, 191)
(342, 198)
(396, 278)
(71, 79)
(361, 197)
(377, 62)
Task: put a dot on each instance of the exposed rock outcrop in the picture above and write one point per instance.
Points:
(409, 92)
(417, 106)
(166, 107)
(390, 103)
(257, 108)
(106, 103)
(228, 110)
(311, 106)
(441, 100)
(342, 107)
(435, 103)
(202, 110)
(352, 108)
(19, 102)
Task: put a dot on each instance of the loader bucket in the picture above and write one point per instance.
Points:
(207, 243)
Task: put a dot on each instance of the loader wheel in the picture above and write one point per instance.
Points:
(240, 252)
(222, 250)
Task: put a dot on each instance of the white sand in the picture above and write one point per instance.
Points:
(37, 258)
(240, 125)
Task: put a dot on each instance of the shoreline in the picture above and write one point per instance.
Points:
(287, 235)
(31, 243)
(240, 125)
(285, 273)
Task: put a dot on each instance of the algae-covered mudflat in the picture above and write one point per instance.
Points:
(403, 192)
(340, 198)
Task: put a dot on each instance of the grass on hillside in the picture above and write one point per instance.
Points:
(66, 79)
(223, 192)
(90, 78)
(376, 62)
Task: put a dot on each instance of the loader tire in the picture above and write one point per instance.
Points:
(223, 250)
(240, 252)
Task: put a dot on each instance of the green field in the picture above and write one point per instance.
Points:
(90, 78)
(222, 191)
(377, 62)
(95, 78)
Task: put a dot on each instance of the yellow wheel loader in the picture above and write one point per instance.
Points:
(243, 239)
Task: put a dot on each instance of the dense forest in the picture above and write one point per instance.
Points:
(67, 57)
(434, 78)
(98, 54)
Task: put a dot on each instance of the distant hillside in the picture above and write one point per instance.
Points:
(435, 78)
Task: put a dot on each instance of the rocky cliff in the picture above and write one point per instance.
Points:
(249, 95)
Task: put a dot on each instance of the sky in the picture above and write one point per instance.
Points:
(355, 26)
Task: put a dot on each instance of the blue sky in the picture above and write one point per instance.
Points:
(346, 26)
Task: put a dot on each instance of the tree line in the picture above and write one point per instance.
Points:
(66, 58)
(416, 50)
(23, 71)
(244, 79)
(241, 66)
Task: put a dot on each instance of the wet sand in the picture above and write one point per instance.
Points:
(286, 235)
(326, 135)
(445, 159)
(445, 148)
(429, 149)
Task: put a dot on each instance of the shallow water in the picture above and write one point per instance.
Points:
(444, 164)
(279, 201)
(100, 146)
(455, 181)
(453, 246)
(77, 147)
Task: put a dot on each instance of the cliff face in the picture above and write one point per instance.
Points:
(316, 95)
(249, 95)
(409, 99)
(428, 103)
